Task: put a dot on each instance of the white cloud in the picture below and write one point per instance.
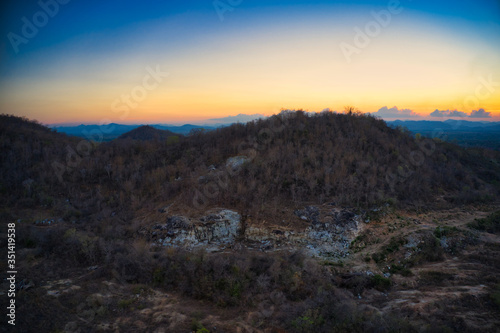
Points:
(394, 112)
(448, 113)
(480, 114)
(241, 118)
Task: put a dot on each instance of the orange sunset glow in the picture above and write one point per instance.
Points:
(227, 68)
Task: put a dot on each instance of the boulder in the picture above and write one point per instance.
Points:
(236, 162)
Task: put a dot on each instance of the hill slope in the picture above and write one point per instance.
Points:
(30, 156)
(288, 159)
(147, 133)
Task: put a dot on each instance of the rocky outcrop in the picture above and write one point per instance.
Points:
(214, 231)
(329, 233)
(236, 162)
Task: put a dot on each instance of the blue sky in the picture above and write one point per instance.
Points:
(84, 17)
(432, 55)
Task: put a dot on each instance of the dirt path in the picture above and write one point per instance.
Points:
(458, 286)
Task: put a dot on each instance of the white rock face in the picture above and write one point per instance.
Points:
(324, 239)
(329, 235)
(236, 162)
(218, 229)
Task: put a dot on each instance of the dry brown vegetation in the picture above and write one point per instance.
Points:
(84, 280)
(353, 160)
(93, 270)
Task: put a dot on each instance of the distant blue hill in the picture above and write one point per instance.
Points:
(447, 125)
(112, 131)
(465, 133)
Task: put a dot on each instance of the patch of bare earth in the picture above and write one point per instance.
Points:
(454, 289)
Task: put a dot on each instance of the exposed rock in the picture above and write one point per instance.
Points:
(57, 288)
(72, 327)
(412, 242)
(329, 234)
(28, 184)
(309, 213)
(46, 222)
(25, 284)
(236, 162)
(216, 230)
(164, 209)
(177, 222)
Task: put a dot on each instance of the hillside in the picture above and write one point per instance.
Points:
(297, 223)
(292, 159)
(31, 156)
(147, 133)
(289, 159)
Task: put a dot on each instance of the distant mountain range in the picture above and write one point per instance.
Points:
(113, 131)
(447, 125)
(465, 133)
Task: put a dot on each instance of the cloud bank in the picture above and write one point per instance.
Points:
(481, 113)
(448, 113)
(241, 118)
(394, 112)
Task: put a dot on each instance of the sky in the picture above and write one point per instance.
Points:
(73, 61)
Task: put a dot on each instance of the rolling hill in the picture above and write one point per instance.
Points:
(147, 133)
(288, 159)
(112, 131)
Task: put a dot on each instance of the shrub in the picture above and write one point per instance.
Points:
(158, 276)
(401, 269)
(435, 278)
(357, 283)
(489, 224)
(198, 327)
(311, 321)
(442, 231)
(126, 303)
(428, 250)
(393, 246)
(495, 296)
(381, 283)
